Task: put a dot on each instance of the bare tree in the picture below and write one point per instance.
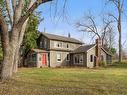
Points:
(119, 5)
(89, 25)
(18, 12)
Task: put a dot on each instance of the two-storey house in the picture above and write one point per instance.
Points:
(55, 51)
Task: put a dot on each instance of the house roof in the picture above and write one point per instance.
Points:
(61, 38)
(38, 50)
(84, 48)
(106, 51)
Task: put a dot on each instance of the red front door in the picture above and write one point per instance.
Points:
(44, 59)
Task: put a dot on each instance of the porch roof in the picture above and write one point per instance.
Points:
(39, 50)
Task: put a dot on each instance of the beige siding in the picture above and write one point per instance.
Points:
(53, 59)
(71, 46)
(89, 53)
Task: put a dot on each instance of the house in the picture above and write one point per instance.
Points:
(55, 51)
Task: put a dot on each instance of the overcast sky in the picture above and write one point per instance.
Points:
(56, 22)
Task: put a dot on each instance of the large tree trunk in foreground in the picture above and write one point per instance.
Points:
(16, 60)
(7, 66)
(11, 43)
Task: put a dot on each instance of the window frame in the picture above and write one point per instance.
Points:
(68, 57)
(34, 57)
(59, 58)
(91, 58)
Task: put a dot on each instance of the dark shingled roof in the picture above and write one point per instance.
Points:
(83, 48)
(61, 38)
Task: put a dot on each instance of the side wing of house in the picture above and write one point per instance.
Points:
(43, 42)
(91, 57)
(105, 56)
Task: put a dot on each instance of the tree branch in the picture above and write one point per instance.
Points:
(30, 10)
(18, 11)
(4, 33)
(9, 9)
(14, 4)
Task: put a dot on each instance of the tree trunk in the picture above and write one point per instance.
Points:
(7, 66)
(16, 60)
(120, 48)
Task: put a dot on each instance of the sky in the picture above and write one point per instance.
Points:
(60, 23)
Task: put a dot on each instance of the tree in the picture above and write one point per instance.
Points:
(89, 25)
(17, 13)
(118, 18)
(31, 34)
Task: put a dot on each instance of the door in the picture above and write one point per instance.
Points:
(44, 59)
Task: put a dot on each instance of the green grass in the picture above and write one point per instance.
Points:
(68, 81)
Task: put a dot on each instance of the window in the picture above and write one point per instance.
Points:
(91, 58)
(33, 57)
(57, 44)
(81, 58)
(67, 46)
(77, 59)
(58, 57)
(68, 57)
(45, 43)
(41, 45)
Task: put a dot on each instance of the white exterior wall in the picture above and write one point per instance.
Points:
(91, 51)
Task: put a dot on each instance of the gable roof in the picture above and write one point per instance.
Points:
(106, 51)
(84, 48)
(61, 38)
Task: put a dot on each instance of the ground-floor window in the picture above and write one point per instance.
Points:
(81, 58)
(33, 57)
(68, 57)
(58, 57)
(78, 59)
(91, 58)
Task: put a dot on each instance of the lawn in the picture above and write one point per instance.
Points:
(68, 81)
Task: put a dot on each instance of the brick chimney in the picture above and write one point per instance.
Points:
(98, 51)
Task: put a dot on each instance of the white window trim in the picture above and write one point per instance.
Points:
(60, 57)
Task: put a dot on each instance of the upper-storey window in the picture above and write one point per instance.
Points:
(45, 43)
(41, 44)
(67, 45)
(58, 44)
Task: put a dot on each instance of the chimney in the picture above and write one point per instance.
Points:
(98, 51)
(69, 35)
